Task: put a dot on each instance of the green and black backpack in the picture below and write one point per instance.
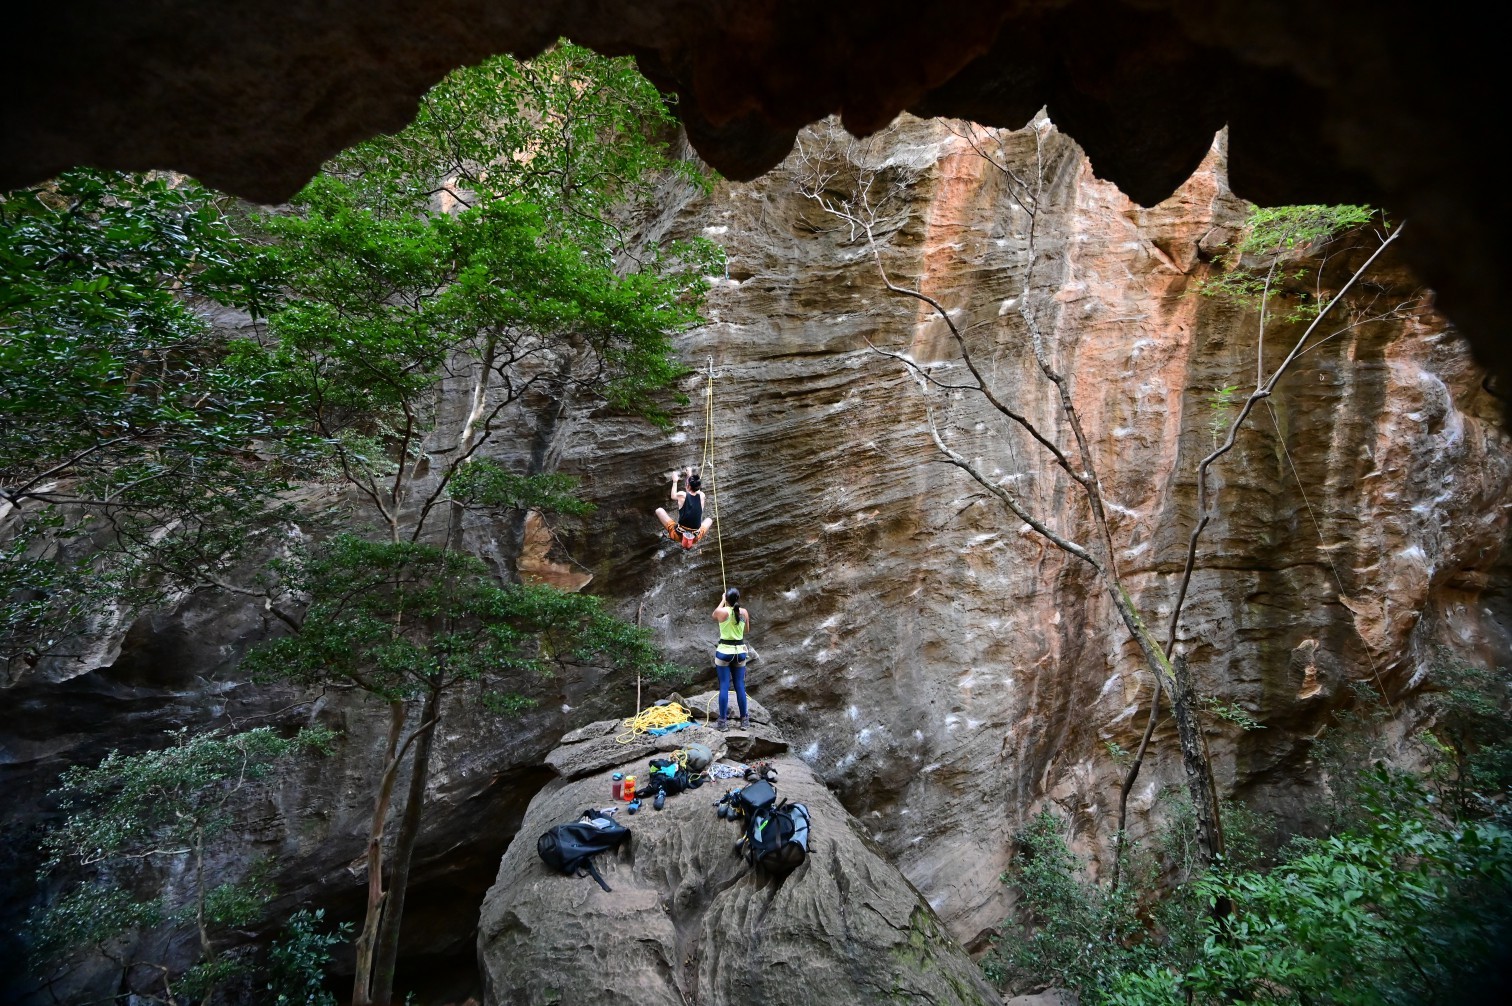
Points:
(775, 835)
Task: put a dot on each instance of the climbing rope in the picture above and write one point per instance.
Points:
(655, 721)
(708, 463)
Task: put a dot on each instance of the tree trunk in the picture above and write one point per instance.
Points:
(1193, 753)
(362, 981)
(1199, 771)
(404, 848)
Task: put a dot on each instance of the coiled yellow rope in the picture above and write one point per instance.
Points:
(655, 717)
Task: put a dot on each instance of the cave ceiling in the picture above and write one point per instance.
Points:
(1384, 102)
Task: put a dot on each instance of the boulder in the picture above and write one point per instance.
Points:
(687, 920)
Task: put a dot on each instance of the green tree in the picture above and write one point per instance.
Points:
(1408, 909)
(127, 823)
(407, 623)
(1470, 747)
(296, 963)
(475, 255)
(580, 136)
(129, 456)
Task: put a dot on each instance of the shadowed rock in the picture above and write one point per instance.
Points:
(689, 921)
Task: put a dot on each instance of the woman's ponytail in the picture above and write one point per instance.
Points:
(732, 599)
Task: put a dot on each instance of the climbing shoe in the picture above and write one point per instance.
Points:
(661, 799)
(722, 725)
(745, 723)
(632, 806)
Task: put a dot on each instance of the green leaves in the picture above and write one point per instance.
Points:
(572, 133)
(485, 485)
(131, 815)
(296, 962)
(118, 420)
(154, 803)
(401, 620)
(1264, 266)
(1405, 910)
(1275, 230)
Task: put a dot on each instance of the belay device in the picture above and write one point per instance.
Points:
(774, 836)
(570, 848)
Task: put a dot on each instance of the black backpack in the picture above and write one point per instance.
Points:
(569, 848)
(775, 835)
(777, 838)
(666, 775)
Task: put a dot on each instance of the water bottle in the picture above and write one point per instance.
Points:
(629, 790)
(617, 786)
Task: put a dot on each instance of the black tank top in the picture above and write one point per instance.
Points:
(691, 514)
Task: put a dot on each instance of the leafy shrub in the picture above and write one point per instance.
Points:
(296, 963)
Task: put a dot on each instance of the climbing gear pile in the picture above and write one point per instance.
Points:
(774, 836)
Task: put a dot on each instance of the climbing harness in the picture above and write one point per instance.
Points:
(654, 722)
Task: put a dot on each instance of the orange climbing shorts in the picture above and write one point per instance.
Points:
(684, 537)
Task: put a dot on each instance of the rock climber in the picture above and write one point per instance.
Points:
(730, 656)
(691, 525)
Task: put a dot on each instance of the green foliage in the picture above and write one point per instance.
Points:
(1469, 736)
(401, 619)
(1221, 407)
(1409, 910)
(1233, 713)
(157, 802)
(382, 305)
(1275, 230)
(86, 916)
(1073, 933)
(120, 431)
(573, 133)
(1264, 270)
(485, 485)
(131, 814)
(1405, 907)
(297, 961)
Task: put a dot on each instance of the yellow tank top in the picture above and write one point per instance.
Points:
(731, 632)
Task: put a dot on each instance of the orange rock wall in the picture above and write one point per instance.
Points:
(942, 667)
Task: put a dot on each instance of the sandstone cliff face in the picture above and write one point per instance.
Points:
(945, 670)
(687, 921)
(942, 671)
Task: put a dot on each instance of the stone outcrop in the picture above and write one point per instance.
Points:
(688, 922)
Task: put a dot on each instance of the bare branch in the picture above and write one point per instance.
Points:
(1204, 516)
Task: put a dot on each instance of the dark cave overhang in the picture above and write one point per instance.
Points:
(1387, 102)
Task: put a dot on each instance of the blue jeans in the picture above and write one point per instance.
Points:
(729, 665)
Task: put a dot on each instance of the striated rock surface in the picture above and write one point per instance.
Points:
(944, 670)
(688, 922)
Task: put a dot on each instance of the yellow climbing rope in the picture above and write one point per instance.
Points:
(708, 463)
(654, 718)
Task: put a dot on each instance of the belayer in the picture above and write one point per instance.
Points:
(691, 525)
(730, 656)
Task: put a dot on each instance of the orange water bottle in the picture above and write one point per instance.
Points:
(629, 792)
